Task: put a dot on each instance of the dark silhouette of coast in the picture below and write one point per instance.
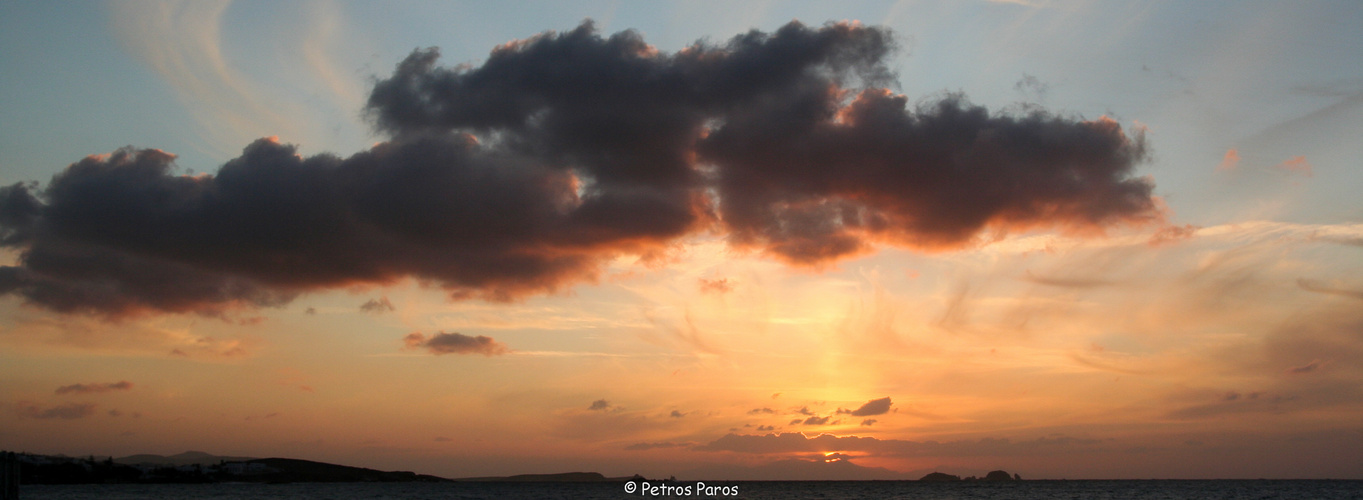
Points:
(197, 467)
(998, 475)
(564, 477)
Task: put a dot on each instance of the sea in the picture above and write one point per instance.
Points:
(797, 490)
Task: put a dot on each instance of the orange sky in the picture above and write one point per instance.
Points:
(1058, 357)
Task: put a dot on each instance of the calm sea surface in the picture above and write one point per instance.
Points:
(1027, 490)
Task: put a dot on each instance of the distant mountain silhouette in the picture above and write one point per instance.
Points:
(939, 477)
(186, 458)
(197, 467)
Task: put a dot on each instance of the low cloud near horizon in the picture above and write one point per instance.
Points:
(122, 385)
(795, 442)
(68, 411)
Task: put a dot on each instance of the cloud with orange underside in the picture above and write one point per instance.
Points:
(804, 156)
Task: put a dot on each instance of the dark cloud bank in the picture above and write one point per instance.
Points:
(523, 175)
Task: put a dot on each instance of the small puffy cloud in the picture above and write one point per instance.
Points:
(377, 306)
(677, 414)
(761, 411)
(717, 285)
(214, 348)
(1295, 165)
(873, 407)
(600, 405)
(762, 428)
(1306, 368)
(455, 343)
(1172, 234)
(67, 411)
(1032, 87)
(1229, 162)
(803, 410)
(816, 421)
(94, 388)
(868, 422)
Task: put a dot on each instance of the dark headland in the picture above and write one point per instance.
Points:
(197, 467)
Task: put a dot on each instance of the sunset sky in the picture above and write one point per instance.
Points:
(752, 240)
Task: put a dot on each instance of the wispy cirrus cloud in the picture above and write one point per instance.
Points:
(657, 445)
(182, 42)
(1319, 287)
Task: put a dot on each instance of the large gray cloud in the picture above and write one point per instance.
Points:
(119, 233)
(524, 174)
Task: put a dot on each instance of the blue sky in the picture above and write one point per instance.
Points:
(1205, 78)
